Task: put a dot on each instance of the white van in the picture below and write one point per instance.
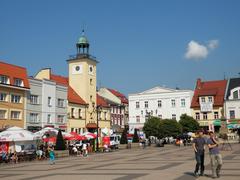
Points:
(114, 141)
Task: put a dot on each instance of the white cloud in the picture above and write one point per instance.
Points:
(196, 51)
(213, 44)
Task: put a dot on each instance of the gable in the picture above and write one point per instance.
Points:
(158, 89)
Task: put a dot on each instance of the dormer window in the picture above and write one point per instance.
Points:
(4, 79)
(210, 99)
(18, 82)
(235, 94)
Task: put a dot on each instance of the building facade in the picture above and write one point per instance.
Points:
(232, 102)
(14, 86)
(208, 103)
(161, 102)
(119, 108)
(46, 105)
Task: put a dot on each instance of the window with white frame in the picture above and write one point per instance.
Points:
(34, 99)
(3, 114)
(49, 101)
(105, 115)
(34, 117)
(232, 114)
(159, 103)
(3, 97)
(15, 98)
(18, 82)
(137, 105)
(205, 116)
(80, 113)
(137, 119)
(235, 94)
(72, 113)
(141, 112)
(61, 103)
(60, 118)
(146, 104)
(160, 116)
(4, 79)
(203, 99)
(173, 103)
(210, 99)
(197, 115)
(15, 114)
(174, 117)
(183, 103)
(215, 115)
(49, 118)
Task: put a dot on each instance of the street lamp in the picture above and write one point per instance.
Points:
(97, 109)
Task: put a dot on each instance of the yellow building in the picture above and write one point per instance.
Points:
(82, 91)
(82, 73)
(207, 103)
(13, 91)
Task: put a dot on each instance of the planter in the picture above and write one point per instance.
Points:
(61, 153)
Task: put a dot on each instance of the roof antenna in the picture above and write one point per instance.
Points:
(224, 76)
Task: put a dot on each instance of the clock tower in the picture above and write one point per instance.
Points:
(82, 71)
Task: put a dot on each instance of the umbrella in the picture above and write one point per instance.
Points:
(76, 136)
(89, 135)
(42, 132)
(50, 139)
(16, 134)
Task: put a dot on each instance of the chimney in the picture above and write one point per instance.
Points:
(198, 86)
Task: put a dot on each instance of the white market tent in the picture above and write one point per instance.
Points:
(14, 134)
(40, 134)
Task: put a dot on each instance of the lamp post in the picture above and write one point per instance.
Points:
(97, 108)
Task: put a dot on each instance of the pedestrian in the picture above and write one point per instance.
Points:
(51, 154)
(199, 149)
(215, 156)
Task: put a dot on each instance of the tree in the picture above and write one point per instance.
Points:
(124, 139)
(168, 128)
(151, 127)
(188, 123)
(135, 136)
(60, 143)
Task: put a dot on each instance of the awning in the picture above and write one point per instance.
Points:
(91, 125)
(217, 122)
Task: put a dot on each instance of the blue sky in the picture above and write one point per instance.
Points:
(140, 44)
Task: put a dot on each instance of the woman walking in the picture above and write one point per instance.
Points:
(51, 154)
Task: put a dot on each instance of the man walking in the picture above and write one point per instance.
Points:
(199, 149)
(215, 156)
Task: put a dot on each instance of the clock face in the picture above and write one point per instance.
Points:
(77, 68)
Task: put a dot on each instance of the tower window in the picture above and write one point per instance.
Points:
(91, 81)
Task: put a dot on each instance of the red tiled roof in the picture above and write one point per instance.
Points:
(209, 88)
(73, 97)
(119, 95)
(13, 71)
(102, 102)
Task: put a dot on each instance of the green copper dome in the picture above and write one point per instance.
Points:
(82, 40)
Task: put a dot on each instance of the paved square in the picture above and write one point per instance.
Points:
(168, 163)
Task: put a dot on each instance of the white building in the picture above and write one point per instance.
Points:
(232, 101)
(161, 102)
(46, 105)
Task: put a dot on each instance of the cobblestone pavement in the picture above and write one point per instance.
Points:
(168, 163)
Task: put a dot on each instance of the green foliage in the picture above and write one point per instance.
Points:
(60, 143)
(151, 127)
(188, 123)
(135, 136)
(162, 128)
(168, 128)
(124, 139)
